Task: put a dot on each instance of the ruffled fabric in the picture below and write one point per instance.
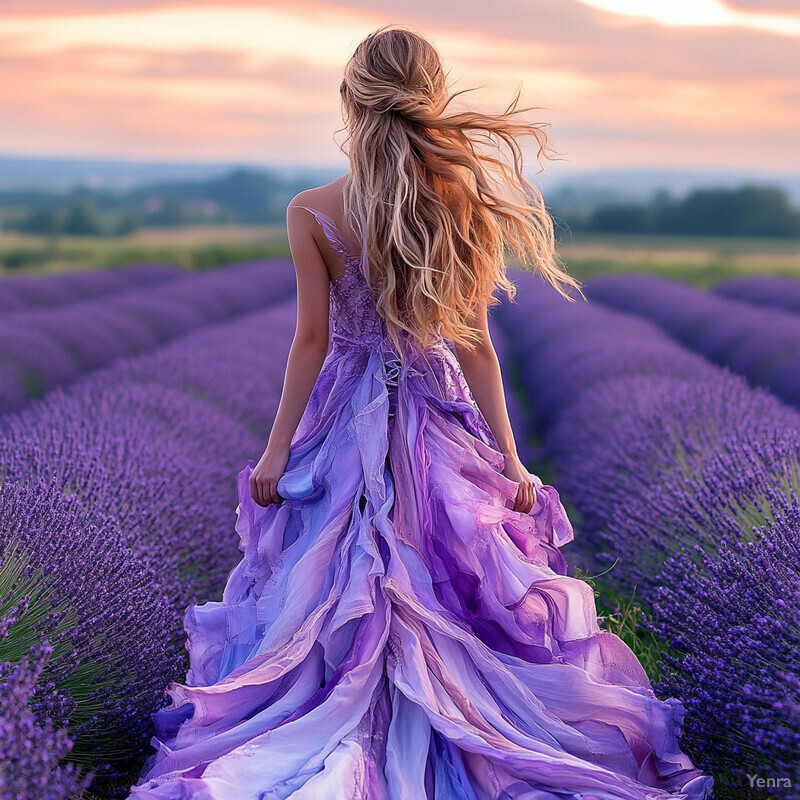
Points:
(395, 631)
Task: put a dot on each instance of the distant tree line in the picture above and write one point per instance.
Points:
(79, 218)
(257, 196)
(746, 211)
(244, 195)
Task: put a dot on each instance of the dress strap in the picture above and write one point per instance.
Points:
(331, 231)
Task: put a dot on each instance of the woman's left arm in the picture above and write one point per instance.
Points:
(306, 355)
(482, 372)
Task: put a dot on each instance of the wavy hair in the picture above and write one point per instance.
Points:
(434, 203)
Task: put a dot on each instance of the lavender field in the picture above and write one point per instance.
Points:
(687, 482)
(128, 409)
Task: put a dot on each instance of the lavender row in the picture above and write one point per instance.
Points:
(146, 450)
(661, 451)
(23, 292)
(770, 291)
(761, 344)
(42, 349)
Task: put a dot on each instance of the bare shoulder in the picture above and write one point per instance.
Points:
(322, 198)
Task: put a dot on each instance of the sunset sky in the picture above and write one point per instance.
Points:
(683, 83)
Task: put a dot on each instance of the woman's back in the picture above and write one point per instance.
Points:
(355, 320)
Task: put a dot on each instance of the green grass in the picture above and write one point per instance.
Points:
(622, 616)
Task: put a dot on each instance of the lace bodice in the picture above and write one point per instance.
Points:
(354, 315)
(357, 329)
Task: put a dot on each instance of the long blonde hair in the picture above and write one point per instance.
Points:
(434, 212)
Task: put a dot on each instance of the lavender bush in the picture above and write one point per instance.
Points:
(761, 344)
(20, 292)
(76, 584)
(769, 291)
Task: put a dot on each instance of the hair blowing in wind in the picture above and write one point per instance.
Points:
(436, 205)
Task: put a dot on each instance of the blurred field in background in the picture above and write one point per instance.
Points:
(200, 247)
(699, 260)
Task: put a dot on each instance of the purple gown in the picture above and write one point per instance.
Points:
(394, 630)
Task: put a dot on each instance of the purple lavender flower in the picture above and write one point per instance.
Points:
(730, 618)
(30, 753)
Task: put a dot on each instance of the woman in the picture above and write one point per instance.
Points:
(401, 624)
